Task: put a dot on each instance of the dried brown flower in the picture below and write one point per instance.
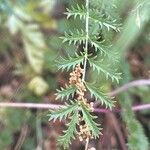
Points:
(76, 80)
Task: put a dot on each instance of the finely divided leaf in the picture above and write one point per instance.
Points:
(89, 120)
(63, 112)
(95, 17)
(65, 92)
(65, 140)
(109, 72)
(108, 23)
(74, 37)
(105, 50)
(103, 98)
(98, 46)
(70, 62)
(78, 11)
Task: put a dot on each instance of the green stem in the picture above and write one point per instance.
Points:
(86, 51)
(87, 38)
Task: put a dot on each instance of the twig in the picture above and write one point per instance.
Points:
(113, 93)
(87, 143)
(22, 137)
(125, 87)
(55, 106)
(141, 107)
(134, 108)
(39, 132)
(129, 85)
(117, 129)
(31, 105)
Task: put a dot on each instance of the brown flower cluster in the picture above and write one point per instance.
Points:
(84, 132)
(76, 80)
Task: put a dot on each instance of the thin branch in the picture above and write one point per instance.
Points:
(113, 93)
(125, 87)
(39, 132)
(134, 108)
(87, 144)
(22, 137)
(31, 105)
(87, 39)
(141, 107)
(55, 106)
(115, 123)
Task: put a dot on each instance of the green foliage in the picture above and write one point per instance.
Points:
(136, 140)
(5, 7)
(33, 39)
(98, 46)
(69, 134)
(70, 62)
(76, 37)
(5, 138)
(89, 121)
(64, 93)
(103, 22)
(92, 18)
(32, 55)
(78, 11)
(26, 47)
(102, 97)
(100, 67)
(12, 121)
(23, 21)
(63, 113)
(136, 137)
(29, 143)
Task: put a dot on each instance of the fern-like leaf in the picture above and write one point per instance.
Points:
(108, 23)
(63, 112)
(70, 62)
(98, 95)
(78, 11)
(98, 46)
(109, 72)
(65, 140)
(95, 17)
(89, 120)
(74, 37)
(65, 92)
(105, 50)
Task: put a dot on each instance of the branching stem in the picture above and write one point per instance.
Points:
(87, 39)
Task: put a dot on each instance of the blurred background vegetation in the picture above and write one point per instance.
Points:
(29, 46)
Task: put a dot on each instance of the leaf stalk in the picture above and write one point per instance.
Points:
(87, 38)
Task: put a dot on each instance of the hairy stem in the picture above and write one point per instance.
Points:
(87, 38)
